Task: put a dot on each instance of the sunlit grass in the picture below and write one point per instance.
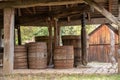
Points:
(60, 77)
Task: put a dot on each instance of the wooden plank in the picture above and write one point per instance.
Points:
(33, 3)
(8, 40)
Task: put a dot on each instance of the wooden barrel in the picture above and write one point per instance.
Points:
(45, 39)
(37, 55)
(75, 41)
(64, 57)
(20, 57)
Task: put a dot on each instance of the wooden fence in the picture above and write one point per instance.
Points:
(100, 52)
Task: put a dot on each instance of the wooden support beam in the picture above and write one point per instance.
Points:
(19, 35)
(59, 35)
(83, 41)
(55, 32)
(14, 36)
(50, 41)
(0, 37)
(33, 3)
(27, 21)
(8, 61)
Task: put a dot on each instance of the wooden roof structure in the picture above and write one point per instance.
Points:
(37, 12)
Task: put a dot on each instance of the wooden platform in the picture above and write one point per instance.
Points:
(92, 68)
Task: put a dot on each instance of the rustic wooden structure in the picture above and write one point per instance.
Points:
(99, 43)
(59, 12)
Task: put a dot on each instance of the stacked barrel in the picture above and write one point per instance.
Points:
(20, 57)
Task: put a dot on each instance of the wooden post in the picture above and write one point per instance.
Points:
(83, 41)
(59, 35)
(50, 47)
(119, 11)
(119, 40)
(55, 33)
(19, 35)
(8, 40)
(0, 37)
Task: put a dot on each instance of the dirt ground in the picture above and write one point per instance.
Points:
(91, 68)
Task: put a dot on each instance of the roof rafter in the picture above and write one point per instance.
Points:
(33, 3)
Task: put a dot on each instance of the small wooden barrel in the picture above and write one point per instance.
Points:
(64, 57)
(37, 55)
(20, 57)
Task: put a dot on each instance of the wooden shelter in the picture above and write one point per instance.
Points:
(100, 43)
(14, 13)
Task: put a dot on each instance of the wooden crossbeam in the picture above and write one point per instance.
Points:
(33, 3)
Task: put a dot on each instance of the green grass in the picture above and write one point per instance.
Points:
(60, 77)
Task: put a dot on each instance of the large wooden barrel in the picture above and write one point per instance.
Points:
(75, 41)
(20, 57)
(45, 39)
(64, 57)
(37, 55)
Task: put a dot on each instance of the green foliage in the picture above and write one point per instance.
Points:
(28, 33)
(70, 30)
(76, 30)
